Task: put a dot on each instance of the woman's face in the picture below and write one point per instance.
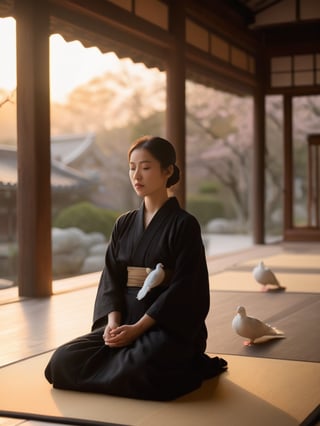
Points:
(146, 175)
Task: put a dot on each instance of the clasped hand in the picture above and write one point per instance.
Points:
(120, 336)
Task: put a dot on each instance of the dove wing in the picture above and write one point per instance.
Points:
(270, 277)
(259, 328)
(142, 292)
(158, 277)
(146, 286)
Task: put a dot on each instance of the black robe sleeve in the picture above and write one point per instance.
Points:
(110, 294)
(183, 307)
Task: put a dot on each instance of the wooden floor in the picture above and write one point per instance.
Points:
(34, 326)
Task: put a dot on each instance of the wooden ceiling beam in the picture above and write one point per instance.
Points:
(119, 22)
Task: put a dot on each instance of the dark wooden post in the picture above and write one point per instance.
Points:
(176, 109)
(288, 166)
(34, 167)
(258, 207)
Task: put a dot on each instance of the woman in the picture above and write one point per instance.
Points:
(150, 347)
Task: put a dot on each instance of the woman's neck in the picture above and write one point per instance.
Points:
(151, 206)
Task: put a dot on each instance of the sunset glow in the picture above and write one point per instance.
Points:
(8, 54)
(71, 64)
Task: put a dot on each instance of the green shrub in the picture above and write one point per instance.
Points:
(88, 218)
(209, 188)
(204, 207)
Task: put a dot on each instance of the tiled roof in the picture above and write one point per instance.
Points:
(8, 166)
(67, 148)
(62, 177)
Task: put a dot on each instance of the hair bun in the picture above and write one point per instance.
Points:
(175, 177)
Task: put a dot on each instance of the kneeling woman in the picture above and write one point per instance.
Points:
(150, 347)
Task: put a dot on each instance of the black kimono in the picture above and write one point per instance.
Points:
(168, 360)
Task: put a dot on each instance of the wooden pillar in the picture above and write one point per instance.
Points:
(313, 192)
(258, 202)
(34, 167)
(176, 98)
(288, 165)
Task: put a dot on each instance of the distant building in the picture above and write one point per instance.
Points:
(76, 165)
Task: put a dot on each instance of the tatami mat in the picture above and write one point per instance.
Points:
(296, 314)
(253, 391)
(237, 280)
(296, 272)
(290, 260)
(256, 390)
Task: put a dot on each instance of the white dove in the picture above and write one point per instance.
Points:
(154, 278)
(252, 328)
(264, 275)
